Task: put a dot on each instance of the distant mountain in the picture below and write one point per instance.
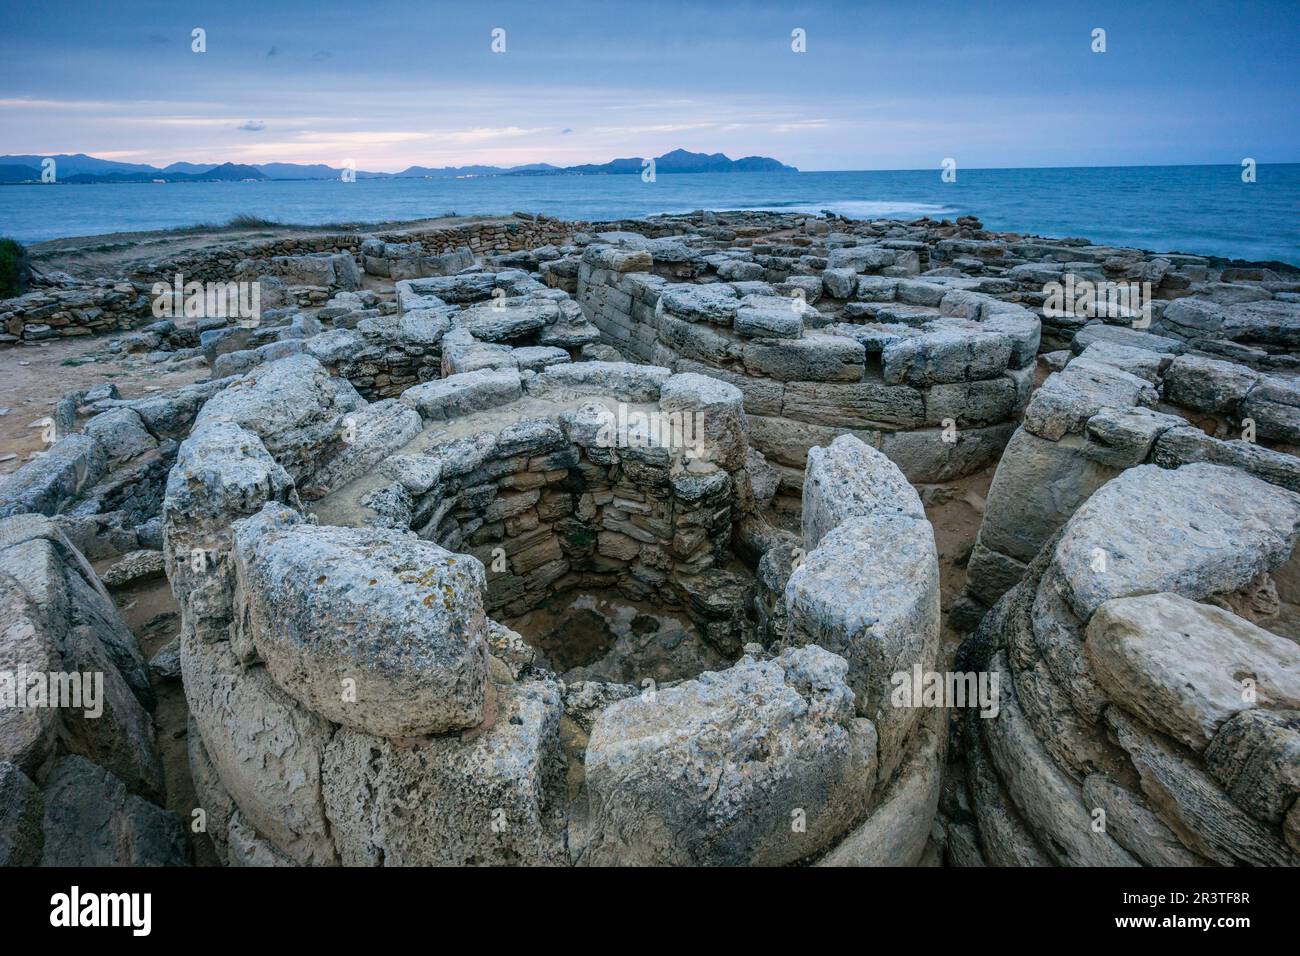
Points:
(677, 161)
(189, 168)
(452, 172)
(300, 171)
(226, 172)
(15, 173)
(72, 164)
(80, 168)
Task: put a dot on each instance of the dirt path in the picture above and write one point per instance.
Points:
(33, 377)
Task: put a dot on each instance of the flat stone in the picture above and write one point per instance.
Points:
(1208, 385)
(709, 771)
(463, 394)
(813, 358)
(1177, 664)
(404, 654)
(1196, 531)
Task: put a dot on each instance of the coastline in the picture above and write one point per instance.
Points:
(1196, 210)
(94, 254)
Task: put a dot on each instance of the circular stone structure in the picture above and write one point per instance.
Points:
(459, 584)
(342, 566)
(933, 371)
(1139, 686)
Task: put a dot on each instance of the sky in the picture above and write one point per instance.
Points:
(882, 85)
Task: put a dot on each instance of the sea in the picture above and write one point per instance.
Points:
(1207, 210)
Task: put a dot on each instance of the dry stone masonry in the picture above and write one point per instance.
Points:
(1149, 681)
(523, 542)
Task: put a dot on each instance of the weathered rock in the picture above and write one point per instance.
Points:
(1255, 756)
(619, 380)
(266, 748)
(47, 483)
(246, 848)
(91, 820)
(1208, 385)
(701, 303)
(714, 770)
(27, 734)
(1178, 665)
(1044, 795)
(22, 811)
(1134, 826)
(293, 405)
(222, 473)
(813, 358)
(945, 356)
(1069, 398)
(1137, 521)
(210, 794)
(134, 568)
(717, 417)
(121, 436)
(405, 651)
(463, 394)
(769, 316)
(366, 437)
(1188, 800)
(490, 797)
(869, 591)
(849, 479)
(896, 832)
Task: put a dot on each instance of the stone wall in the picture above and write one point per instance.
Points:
(1125, 732)
(586, 496)
(522, 460)
(76, 309)
(930, 371)
(1116, 407)
(481, 237)
(89, 308)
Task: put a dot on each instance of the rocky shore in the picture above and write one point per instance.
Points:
(526, 542)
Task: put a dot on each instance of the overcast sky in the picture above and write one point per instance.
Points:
(881, 86)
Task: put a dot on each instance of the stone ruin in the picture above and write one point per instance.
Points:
(1122, 652)
(369, 565)
(890, 358)
(611, 550)
(1116, 406)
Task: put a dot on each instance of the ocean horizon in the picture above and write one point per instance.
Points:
(1204, 209)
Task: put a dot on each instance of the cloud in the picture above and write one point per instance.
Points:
(26, 103)
(253, 126)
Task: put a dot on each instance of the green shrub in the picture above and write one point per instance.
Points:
(14, 270)
(246, 221)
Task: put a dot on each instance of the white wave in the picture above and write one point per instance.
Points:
(858, 208)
